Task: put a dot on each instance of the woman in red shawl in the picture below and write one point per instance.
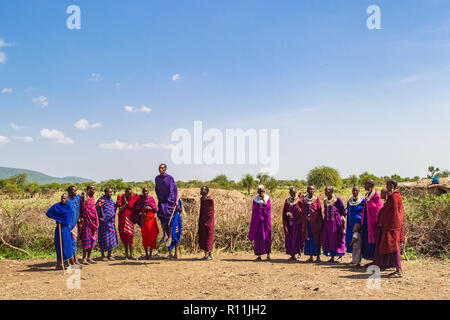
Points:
(206, 223)
(146, 208)
(311, 223)
(293, 242)
(390, 232)
(125, 204)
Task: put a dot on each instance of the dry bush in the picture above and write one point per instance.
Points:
(232, 220)
(427, 224)
(23, 224)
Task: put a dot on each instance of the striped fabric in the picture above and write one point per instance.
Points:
(129, 226)
(90, 223)
(87, 241)
(107, 236)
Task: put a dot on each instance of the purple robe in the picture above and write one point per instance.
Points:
(166, 191)
(293, 241)
(261, 227)
(333, 243)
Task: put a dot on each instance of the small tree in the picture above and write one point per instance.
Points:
(363, 177)
(351, 181)
(324, 176)
(444, 174)
(272, 184)
(433, 171)
(19, 179)
(221, 181)
(263, 178)
(248, 182)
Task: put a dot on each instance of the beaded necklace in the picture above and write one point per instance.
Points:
(292, 201)
(370, 195)
(309, 200)
(329, 203)
(352, 202)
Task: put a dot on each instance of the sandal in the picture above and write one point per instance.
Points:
(395, 275)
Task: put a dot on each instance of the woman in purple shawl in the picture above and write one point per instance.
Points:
(261, 225)
(333, 226)
(62, 214)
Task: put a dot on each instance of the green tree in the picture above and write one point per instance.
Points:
(32, 188)
(262, 178)
(221, 181)
(444, 174)
(324, 176)
(19, 179)
(363, 177)
(272, 184)
(433, 171)
(351, 181)
(248, 182)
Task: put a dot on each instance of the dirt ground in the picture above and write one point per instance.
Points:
(228, 276)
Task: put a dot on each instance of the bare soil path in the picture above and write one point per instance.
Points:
(228, 276)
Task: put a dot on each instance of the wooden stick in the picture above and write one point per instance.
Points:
(174, 208)
(60, 245)
(12, 247)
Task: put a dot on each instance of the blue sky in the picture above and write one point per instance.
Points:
(341, 94)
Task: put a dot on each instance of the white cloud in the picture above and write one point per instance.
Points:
(117, 84)
(167, 146)
(205, 74)
(176, 77)
(7, 90)
(42, 101)
(84, 124)
(4, 140)
(16, 127)
(2, 54)
(5, 44)
(134, 109)
(129, 108)
(95, 77)
(117, 145)
(56, 136)
(145, 109)
(24, 139)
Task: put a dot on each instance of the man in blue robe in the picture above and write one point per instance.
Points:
(61, 212)
(74, 202)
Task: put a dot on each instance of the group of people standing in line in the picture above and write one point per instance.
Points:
(92, 222)
(366, 227)
(369, 227)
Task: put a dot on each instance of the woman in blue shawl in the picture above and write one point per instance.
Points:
(355, 207)
(61, 212)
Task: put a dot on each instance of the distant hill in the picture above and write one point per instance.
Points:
(34, 176)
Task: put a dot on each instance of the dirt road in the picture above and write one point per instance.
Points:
(228, 276)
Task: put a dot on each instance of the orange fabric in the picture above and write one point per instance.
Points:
(149, 231)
